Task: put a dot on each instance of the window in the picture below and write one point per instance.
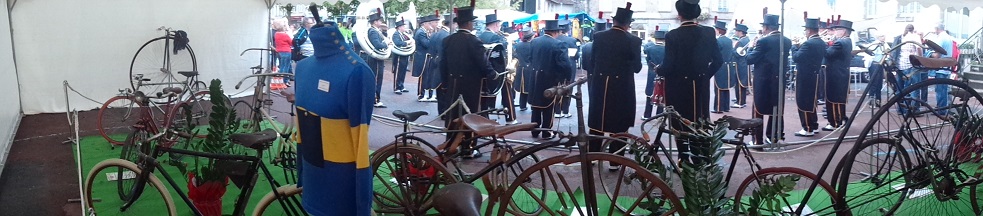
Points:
(910, 8)
(722, 6)
(870, 9)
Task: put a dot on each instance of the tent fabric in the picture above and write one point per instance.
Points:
(92, 47)
(958, 4)
(550, 16)
(10, 106)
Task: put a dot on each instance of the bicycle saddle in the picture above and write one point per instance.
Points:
(188, 73)
(175, 90)
(743, 124)
(484, 127)
(457, 199)
(412, 116)
(931, 63)
(259, 140)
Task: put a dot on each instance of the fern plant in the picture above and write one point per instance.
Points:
(702, 178)
(222, 123)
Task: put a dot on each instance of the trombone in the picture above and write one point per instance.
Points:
(742, 51)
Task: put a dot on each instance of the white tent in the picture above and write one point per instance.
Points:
(958, 4)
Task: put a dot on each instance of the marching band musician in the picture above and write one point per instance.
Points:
(765, 57)
(464, 66)
(563, 111)
(653, 56)
(723, 80)
(687, 85)
(821, 91)
(616, 61)
(437, 56)
(838, 57)
(492, 35)
(422, 56)
(586, 60)
(375, 37)
(550, 64)
(524, 74)
(808, 59)
(400, 39)
(741, 72)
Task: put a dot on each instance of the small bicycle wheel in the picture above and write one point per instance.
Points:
(136, 142)
(157, 61)
(647, 158)
(117, 116)
(642, 191)
(524, 204)
(781, 190)
(247, 117)
(940, 175)
(102, 196)
(285, 202)
(405, 178)
(191, 114)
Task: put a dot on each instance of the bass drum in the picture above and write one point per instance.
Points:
(496, 56)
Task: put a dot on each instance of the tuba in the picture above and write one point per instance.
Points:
(410, 48)
(495, 53)
(362, 27)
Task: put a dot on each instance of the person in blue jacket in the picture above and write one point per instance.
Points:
(808, 59)
(400, 38)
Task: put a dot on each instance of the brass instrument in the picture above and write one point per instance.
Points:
(742, 51)
(410, 47)
(362, 27)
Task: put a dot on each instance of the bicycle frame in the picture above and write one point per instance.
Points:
(255, 163)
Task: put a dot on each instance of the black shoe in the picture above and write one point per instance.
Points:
(716, 112)
(535, 134)
(404, 90)
(523, 109)
(547, 135)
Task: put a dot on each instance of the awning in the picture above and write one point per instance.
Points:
(944, 4)
(550, 16)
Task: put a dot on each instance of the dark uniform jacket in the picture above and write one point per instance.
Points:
(551, 64)
(688, 83)
(403, 61)
(838, 57)
(375, 37)
(742, 73)
(765, 57)
(653, 56)
(808, 59)
(489, 37)
(422, 49)
(587, 62)
(436, 46)
(723, 79)
(524, 74)
(571, 43)
(617, 58)
(463, 66)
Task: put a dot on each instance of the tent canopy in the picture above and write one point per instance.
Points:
(550, 16)
(958, 4)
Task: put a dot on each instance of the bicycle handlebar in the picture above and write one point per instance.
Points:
(564, 90)
(261, 49)
(265, 74)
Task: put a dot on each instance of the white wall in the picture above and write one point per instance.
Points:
(10, 98)
(91, 43)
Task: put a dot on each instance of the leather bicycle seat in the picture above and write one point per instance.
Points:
(743, 124)
(457, 199)
(259, 140)
(931, 63)
(188, 73)
(484, 127)
(411, 116)
(175, 90)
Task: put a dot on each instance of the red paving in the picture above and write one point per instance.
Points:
(40, 177)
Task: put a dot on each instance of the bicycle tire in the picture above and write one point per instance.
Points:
(650, 155)
(134, 142)
(915, 177)
(518, 163)
(195, 105)
(287, 191)
(825, 192)
(423, 170)
(110, 204)
(247, 120)
(145, 64)
(563, 190)
(116, 114)
(894, 152)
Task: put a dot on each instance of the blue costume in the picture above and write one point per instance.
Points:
(741, 70)
(765, 57)
(400, 62)
(653, 56)
(551, 65)
(808, 59)
(838, 57)
(507, 94)
(723, 80)
(334, 108)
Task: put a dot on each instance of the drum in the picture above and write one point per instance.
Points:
(497, 57)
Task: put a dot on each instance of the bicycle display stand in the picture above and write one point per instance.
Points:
(72, 116)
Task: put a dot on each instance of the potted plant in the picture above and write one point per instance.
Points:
(208, 180)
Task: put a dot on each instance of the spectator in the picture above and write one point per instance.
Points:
(906, 78)
(282, 42)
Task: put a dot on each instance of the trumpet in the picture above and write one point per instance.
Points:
(742, 51)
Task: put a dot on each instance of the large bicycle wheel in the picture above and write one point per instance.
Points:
(781, 191)
(248, 120)
(191, 115)
(405, 178)
(118, 115)
(285, 202)
(158, 63)
(136, 143)
(646, 192)
(102, 197)
(935, 178)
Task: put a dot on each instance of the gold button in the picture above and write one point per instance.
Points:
(347, 53)
(349, 58)
(341, 48)
(332, 34)
(353, 61)
(336, 41)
